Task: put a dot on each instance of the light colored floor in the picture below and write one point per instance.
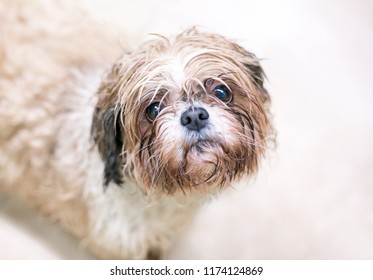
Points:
(313, 198)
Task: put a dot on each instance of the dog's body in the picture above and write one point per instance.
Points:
(75, 142)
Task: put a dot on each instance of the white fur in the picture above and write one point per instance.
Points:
(47, 154)
(123, 221)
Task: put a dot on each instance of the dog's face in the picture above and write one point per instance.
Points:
(186, 113)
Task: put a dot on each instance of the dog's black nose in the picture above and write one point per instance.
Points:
(195, 118)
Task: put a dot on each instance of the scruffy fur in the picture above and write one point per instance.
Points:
(75, 141)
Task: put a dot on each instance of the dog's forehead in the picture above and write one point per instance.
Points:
(188, 69)
(177, 71)
(179, 68)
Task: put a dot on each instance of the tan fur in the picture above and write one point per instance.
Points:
(52, 64)
(148, 75)
(37, 73)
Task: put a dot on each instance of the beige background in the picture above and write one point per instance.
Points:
(313, 198)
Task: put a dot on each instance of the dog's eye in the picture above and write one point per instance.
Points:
(223, 93)
(153, 110)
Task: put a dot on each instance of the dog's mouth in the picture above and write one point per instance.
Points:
(204, 162)
(200, 146)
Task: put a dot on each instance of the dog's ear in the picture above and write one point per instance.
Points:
(257, 73)
(258, 76)
(108, 135)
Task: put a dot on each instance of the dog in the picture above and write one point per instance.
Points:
(123, 153)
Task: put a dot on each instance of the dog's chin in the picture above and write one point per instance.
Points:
(201, 161)
(204, 165)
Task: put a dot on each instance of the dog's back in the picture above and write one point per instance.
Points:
(45, 49)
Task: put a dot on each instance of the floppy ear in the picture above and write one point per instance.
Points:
(108, 135)
(256, 72)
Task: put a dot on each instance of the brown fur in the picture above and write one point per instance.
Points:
(139, 79)
(69, 133)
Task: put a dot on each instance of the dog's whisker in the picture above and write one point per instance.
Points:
(125, 157)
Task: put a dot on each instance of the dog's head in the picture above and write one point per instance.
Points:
(190, 112)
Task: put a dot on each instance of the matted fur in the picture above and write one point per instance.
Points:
(75, 141)
(179, 73)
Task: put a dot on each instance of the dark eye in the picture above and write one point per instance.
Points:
(153, 110)
(223, 93)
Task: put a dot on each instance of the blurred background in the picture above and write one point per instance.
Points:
(313, 197)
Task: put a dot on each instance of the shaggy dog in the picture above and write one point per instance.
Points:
(123, 151)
